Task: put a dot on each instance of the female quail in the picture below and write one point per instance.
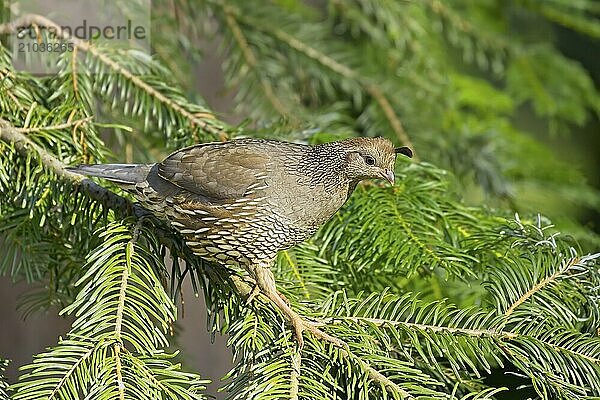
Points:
(240, 202)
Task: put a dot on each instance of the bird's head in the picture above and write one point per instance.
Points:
(371, 158)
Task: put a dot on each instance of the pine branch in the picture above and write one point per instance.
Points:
(298, 277)
(540, 285)
(544, 280)
(467, 27)
(431, 330)
(69, 124)
(381, 322)
(135, 313)
(252, 63)
(24, 145)
(119, 314)
(83, 358)
(295, 375)
(501, 335)
(575, 21)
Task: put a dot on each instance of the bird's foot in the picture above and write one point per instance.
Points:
(298, 323)
(256, 291)
(266, 283)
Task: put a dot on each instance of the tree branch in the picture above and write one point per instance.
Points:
(70, 372)
(253, 63)
(55, 127)
(540, 285)
(295, 375)
(24, 145)
(491, 333)
(498, 334)
(465, 26)
(296, 272)
(118, 371)
(123, 289)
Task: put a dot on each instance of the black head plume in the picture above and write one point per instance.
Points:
(404, 150)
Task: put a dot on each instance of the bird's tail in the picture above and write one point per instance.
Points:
(118, 173)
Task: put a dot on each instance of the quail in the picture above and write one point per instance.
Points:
(240, 202)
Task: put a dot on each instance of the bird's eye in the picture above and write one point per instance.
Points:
(369, 160)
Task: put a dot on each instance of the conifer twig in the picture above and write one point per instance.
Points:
(70, 372)
(295, 375)
(540, 285)
(118, 371)
(24, 145)
(497, 334)
(252, 62)
(68, 124)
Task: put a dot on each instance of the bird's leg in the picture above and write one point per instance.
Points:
(284, 298)
(256, 290)
(266, 282)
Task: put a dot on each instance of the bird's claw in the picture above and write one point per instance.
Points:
(298, 325)
(296, 320)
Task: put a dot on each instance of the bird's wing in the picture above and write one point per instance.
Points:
(217, 171)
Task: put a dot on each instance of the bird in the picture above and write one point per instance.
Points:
(239, 202)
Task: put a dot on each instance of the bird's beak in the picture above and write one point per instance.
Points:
(388, 175)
